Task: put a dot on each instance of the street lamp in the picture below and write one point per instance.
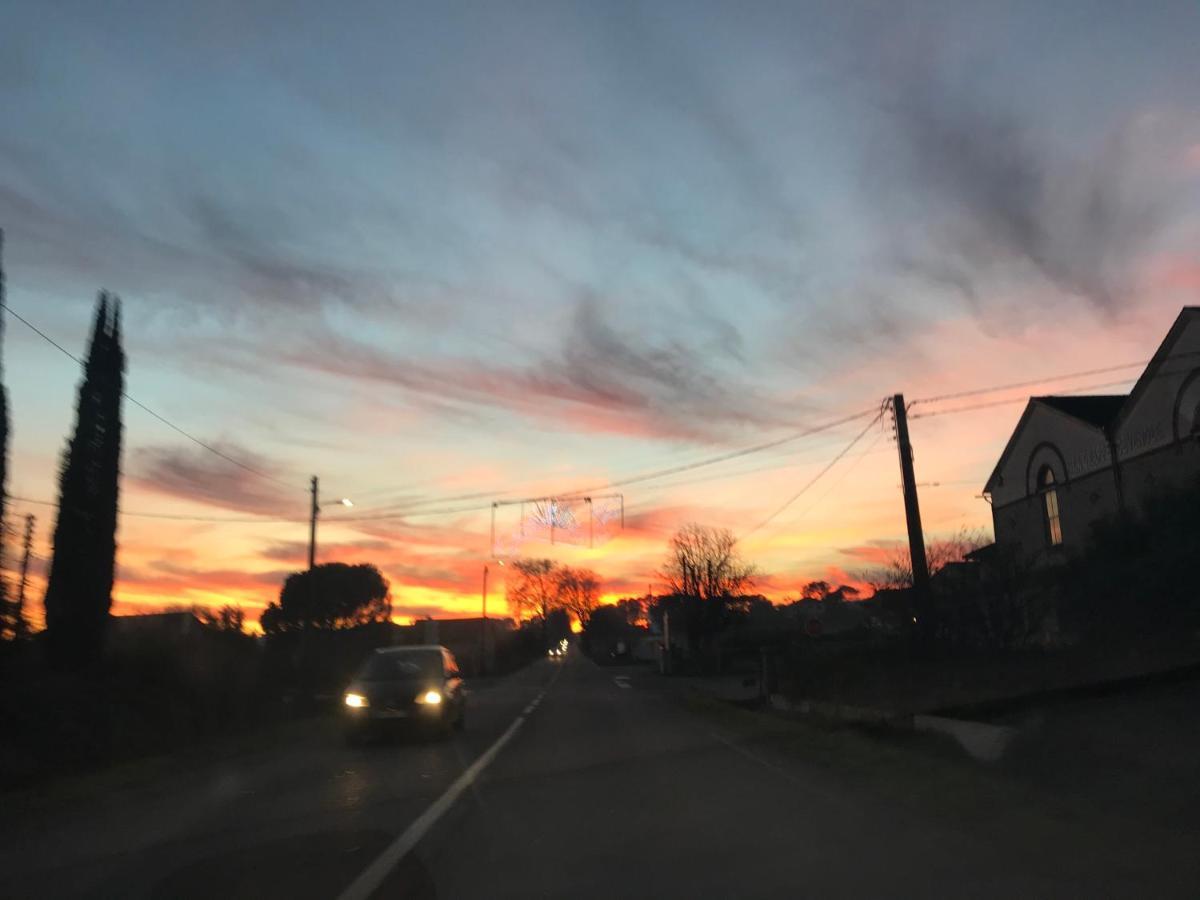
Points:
(312, 521)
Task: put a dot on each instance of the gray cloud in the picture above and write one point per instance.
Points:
(164, 573)
(595, 377)
(192, 473)
(985, 199)
(297, 551)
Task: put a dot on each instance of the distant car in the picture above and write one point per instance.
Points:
(405, 686)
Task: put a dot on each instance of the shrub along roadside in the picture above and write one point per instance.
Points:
(155, 696)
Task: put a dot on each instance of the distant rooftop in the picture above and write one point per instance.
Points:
(1099, 410)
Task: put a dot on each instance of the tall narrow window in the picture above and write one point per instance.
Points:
(1050, 506)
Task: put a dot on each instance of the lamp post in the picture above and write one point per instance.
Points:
(312, 520)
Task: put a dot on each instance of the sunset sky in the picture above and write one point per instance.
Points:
(449, 253)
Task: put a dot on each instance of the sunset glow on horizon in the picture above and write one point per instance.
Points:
(485, 260)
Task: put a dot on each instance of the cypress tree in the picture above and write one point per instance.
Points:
(8, 621)
(79, 593)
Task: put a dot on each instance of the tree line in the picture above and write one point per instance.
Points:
(544, 589)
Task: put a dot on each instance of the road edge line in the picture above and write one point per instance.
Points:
(369, 880)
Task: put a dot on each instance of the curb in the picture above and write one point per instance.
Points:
(842, 712)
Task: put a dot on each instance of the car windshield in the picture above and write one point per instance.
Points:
(406, 666)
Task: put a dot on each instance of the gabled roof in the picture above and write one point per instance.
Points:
(1186, 316)
(1103, 411)
(1098, 410)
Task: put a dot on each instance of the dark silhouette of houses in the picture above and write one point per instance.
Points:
(172, 627)
(1075, 460)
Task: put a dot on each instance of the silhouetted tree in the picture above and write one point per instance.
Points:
(703, 562)
(79, 592)
(633, 610)
(330, 596)
(578, 592)
(228, 618)
(815, 590)
(9, 617)
(535, 593)
(706, 577)
(896, 571)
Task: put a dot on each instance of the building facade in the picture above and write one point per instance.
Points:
(1074, 460)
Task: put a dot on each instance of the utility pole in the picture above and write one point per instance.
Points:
(312, 526)
(912, 514)
(667, 642)
(19, 612)
(483, 626)
(492, 549)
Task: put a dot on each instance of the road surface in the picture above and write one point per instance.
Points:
(574, 780)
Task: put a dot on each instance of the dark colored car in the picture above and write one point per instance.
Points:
(417, 687)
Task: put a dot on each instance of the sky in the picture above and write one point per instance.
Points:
(443, 255)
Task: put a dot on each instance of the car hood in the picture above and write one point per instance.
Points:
(396, 687)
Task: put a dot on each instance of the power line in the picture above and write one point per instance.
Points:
(975, 481)
(180, 517)
(620, 482)
(191, 437)
(724, 457)
(990, 403)
(1067, 376)
(410, 512)
(975, 392)
(770, 467)
(833, 462)
(409, 515)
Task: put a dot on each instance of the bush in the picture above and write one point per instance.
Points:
(149, 696)
(1137, 575)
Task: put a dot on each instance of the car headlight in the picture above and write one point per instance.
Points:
(431, 698)
(356, 701)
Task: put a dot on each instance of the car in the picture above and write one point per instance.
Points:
(415, 687)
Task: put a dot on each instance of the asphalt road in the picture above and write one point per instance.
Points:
(608, 786)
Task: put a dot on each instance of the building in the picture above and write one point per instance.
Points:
(1074, 460)
(172, 627)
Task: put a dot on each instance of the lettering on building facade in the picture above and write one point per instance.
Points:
(1098, 457)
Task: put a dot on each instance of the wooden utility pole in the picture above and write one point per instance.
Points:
(312, 526)
(483, 626)
(667, 641)
(19, 611)
(912, 514)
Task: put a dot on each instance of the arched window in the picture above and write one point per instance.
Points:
(1049, 492)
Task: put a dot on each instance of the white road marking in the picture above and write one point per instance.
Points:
(373, 876)
(621, 681)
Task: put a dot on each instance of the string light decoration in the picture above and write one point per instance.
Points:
(575, 519)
